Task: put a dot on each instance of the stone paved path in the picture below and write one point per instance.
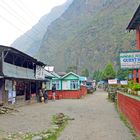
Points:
(95, 119)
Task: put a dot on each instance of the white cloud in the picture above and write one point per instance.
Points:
(18, 16)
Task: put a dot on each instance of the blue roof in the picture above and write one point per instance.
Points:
(82, 78)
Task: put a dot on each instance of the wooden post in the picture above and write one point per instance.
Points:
(137, 39)
(134, 76)
(139, 76)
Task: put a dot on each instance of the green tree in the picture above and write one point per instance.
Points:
(97, 75)
(108, 72)
(71, 68)
(85, 72)
(122, 74)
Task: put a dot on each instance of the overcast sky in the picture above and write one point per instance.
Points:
(18, 16)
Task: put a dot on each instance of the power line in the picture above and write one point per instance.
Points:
(10, 10)
(26, 10)
(9, 22)
(15, 14)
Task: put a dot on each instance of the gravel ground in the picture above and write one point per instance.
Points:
(95, 119)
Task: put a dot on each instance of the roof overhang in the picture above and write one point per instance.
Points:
(135, 21)
(69, 74)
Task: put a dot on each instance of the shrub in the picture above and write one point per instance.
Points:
(136, 87)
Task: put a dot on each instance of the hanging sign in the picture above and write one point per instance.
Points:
(40, 72)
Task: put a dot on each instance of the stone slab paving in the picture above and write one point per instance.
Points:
(95, 119)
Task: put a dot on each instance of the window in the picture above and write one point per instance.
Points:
(48, 85)
(74, 84)
(56, 84)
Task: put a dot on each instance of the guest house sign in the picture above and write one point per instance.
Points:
(130, 60)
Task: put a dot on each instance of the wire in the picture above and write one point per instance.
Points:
(26, 10)
(8, 21)
(15, 14)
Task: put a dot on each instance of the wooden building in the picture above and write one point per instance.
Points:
(70, 81)
(135, 25)
(19, 76)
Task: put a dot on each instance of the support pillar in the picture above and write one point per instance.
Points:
(134, 76)
(139, 76)
(138, 48)
(138, 39)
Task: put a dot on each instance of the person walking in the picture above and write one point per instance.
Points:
(40, 95)
(45, 95)
(53, 92)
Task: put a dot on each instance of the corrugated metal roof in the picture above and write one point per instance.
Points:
(55, 74)
(48, 74)
(16, 51)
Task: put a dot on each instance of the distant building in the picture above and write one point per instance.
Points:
(68, 86)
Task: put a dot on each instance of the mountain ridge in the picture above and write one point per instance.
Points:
(89, 37)
(30, 42)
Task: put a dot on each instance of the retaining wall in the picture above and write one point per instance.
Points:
(69, 94)
(129, 105)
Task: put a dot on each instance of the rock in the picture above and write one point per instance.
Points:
(37, 138)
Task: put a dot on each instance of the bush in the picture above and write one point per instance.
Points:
(112, 96)
(136, 87)
(130, 84)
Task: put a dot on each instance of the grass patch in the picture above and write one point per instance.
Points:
(59, 122)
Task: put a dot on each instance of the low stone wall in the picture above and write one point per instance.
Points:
(69, 94)
(129, 105)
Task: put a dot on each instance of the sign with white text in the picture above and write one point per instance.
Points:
(130, 60)
(112, 81)
(40, 72)
(124, 82)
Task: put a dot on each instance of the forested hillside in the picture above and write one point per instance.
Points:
(89, 34)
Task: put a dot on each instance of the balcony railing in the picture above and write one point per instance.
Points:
(10, 70)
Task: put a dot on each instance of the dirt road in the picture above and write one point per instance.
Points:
(95, 119)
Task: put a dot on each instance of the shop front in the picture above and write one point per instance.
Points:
(19, 91)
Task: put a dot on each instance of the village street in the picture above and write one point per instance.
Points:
(95, 118)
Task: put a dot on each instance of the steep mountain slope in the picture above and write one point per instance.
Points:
(30, 41)
(89, 34)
